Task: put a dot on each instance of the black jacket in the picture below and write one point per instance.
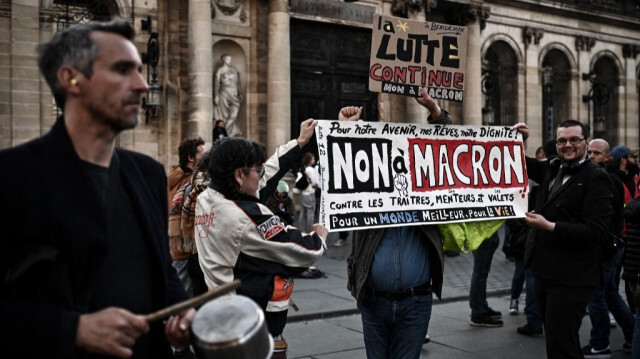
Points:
(582, 211)
(54, 235)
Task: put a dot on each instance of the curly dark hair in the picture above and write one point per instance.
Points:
(188, 148)
(229, 154)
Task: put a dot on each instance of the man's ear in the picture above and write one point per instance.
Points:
(70, 79)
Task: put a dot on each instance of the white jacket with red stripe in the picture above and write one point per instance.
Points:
(242, 238)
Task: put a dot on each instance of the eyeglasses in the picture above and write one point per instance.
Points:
(597, 153)
(574, 140)
(635, 157)
(259, 170)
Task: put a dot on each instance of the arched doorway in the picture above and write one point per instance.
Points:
(556, 76)
(604, 114)
(500, 85)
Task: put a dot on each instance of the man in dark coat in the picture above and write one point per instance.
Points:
(572, 215)
(83, 252)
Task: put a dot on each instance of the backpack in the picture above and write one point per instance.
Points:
(302, 182)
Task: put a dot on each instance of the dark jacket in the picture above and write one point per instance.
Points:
(54, 235)
(582, 212)
(365, 243)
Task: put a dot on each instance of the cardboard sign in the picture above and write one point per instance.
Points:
(378, 174)
(407, 54)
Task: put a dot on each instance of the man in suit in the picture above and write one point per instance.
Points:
(83, 252)
(572, 214)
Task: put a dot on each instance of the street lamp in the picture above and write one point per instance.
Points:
(153, 100)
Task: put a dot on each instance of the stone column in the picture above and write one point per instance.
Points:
(416, 113)
(475, 16)
(532, 87)
(25, 121)
(279, 76)
(200, 70)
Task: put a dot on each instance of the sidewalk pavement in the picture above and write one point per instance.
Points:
(328, 324)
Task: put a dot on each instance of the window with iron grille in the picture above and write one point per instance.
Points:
(556, 76)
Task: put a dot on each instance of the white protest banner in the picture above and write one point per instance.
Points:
(408, 54)
(378, 174)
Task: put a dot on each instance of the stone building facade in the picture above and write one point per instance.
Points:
(538, 62)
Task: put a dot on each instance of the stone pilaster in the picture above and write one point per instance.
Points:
(628, 127)
(475, 18)
(583, 48)
(25, 78)
(200, 70)
(532, 87)
(279, 76)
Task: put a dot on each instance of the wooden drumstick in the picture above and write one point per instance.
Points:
(193, 302)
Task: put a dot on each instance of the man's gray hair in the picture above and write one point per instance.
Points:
(73, 47)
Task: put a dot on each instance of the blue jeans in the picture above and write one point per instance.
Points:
(635, 344)
(607, 299)
(482, 258)
(531, 307)
(395, 329)
(517, 281)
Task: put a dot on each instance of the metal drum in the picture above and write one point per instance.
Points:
(231, 327)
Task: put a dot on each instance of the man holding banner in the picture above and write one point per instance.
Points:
(572, 214)
(393, 273)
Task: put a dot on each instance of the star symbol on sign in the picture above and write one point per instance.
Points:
(402, 25)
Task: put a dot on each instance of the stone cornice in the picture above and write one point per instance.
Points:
(571, 10)
(401, 8)
(475, 12)
(468, 13)
(531, 34)
(630, 51)
(584, 43)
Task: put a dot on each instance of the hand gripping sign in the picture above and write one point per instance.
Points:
(407, 54)
(378, 174)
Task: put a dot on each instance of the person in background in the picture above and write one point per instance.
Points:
(308, 203)
(533, 326)
(189, 152)
(631, 214)
(606, 298)
(84, 254)
(238, 237)
(572, 216)
(481, 314)
(626, 166)
(181, 224)
(218, 131)
(282, 205)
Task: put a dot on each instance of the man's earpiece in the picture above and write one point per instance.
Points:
(73, 82)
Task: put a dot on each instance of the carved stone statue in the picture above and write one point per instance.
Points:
(226, 97)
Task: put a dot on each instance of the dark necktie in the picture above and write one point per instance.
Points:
(557, 182)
